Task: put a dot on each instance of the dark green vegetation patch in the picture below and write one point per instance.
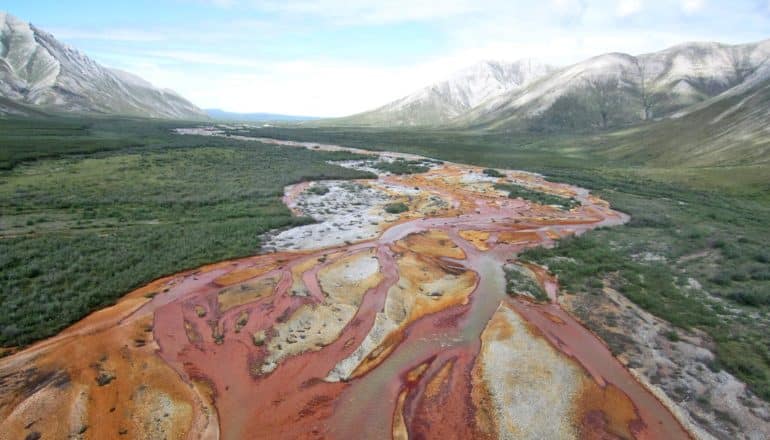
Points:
(402, 166)
(78, 231)
(318, 190)
(491, 172)
(517, 191)
(521, 281)
(396, 208)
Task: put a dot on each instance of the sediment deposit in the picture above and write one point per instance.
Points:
(368, 324)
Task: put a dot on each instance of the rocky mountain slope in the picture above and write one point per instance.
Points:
(617, 89)
(610, 90)
(730, 129)
(444, 101)
(37, 70)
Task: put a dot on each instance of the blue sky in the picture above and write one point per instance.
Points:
(336, 57)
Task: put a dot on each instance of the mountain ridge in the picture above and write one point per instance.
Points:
(619, 88)
(444, 100)
(37, 70)
(608, 90)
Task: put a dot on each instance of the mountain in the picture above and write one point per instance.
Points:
(37, 70)
(444, 101)
(609, 90)
(730, 129)
(619, 89)
(222, 115)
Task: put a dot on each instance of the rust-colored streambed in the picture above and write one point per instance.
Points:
(406, 334)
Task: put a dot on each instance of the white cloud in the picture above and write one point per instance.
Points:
(692, 6)
(205, 58)
(626, 8)
(569, 9)
(133, 35)
(365, 11)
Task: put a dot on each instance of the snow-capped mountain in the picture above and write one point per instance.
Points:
(617, 88)
(443, 101)
(37, 70)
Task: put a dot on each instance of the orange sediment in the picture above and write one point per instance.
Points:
(407, 335)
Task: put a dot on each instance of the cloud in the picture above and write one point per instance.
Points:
(692, 6)
(204, 58)
(219, 3)
(626, 8)
(363, 12)
(358, 11)
(132, 35)
(314, 87)
(571, 10)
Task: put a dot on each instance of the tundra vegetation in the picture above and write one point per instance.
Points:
(491, 172)
(92, 209)
(318, 190)
(521, 281)
(517, 191)
(402, 166)
(396, 208)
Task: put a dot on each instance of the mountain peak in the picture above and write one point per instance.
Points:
(442, 101)
(38, 70)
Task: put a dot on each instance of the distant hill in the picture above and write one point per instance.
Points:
(222, 115)
(39, 72)
(618, 89)
(442, 102)
(730, 129)
(613, 90)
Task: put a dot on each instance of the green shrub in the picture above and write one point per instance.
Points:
(318, 190)
(402, 166)
(396, 208)
(520, 281)
(518, 191)
(751, 297)
(179, 203)
(491, 172)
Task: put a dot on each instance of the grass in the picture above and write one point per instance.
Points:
(396, 208)
(318, 190)
(78, 231)
(588, 153)
(40, 138)
(491, 172)
(517, 191)
(675, 236)
(402, 166)
(520, 281)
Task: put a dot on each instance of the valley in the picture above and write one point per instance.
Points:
(366, 320)
(566, 247)
(418, 300)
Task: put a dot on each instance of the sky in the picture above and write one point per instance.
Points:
(338, 57)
